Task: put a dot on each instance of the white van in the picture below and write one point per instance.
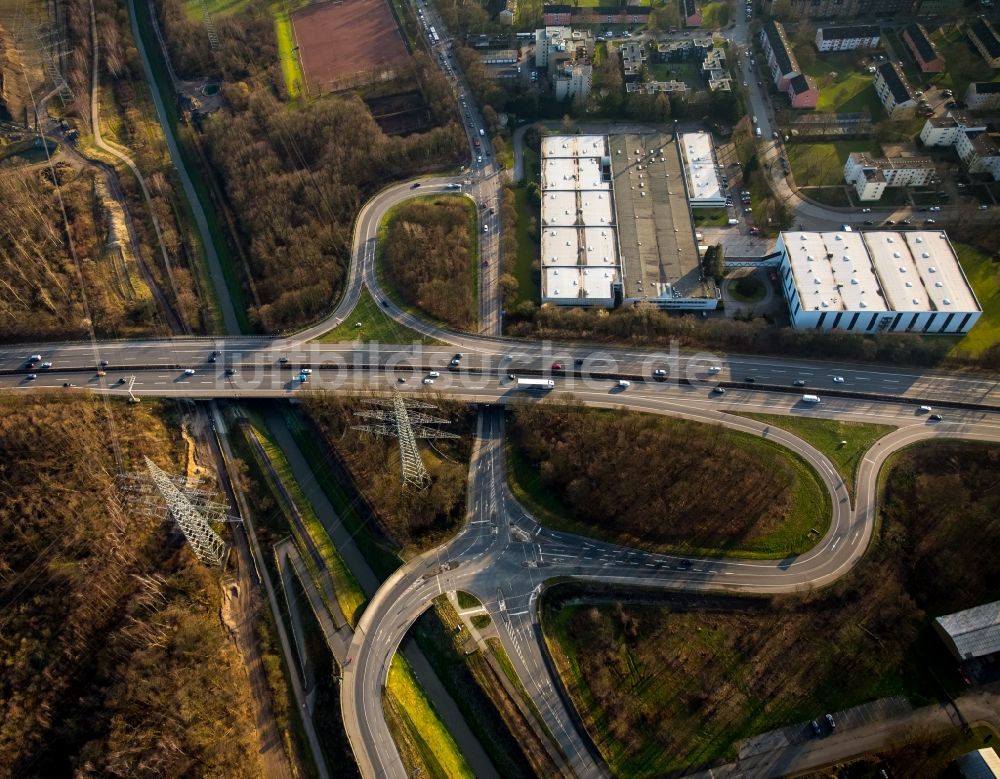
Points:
(624, 383)
(734, 221)
(810, 398)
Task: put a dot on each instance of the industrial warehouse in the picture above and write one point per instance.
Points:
(876, 281)
(616, 226)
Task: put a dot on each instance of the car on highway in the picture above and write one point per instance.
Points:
(684, 564)
(433, 374)
(306, 371)
(34, 358)
(838, 379)
(624, 384)
(104, 363)
(799, 382)
(929, 222)
(189, 371)
(122, 380)
(659, 373)
(46, 365)
(32, 376)
(750, 379)
(230, 371)
(428, 380)
(455, 362)
(557, 366)
(401, 380)
(414, 185)
(714, 369)
(866, 210)
(935, 417)
(923, 409)
(283, 360)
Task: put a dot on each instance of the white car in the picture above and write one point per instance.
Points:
(715, 369)
(32, 376)
(306, 371)
(189, 372)
(866, 210)
(660, 372)
(428, 381)
(838, 379)
(34, 358)
(433, 374)
(46, 365)
(624, 383)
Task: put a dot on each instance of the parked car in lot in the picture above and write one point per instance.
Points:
(816, 729)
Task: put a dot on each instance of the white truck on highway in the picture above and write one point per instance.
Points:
(810, 398)
(537, 385)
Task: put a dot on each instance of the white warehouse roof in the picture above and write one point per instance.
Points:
(565, 283)
(833, 272)
(579, 242)
(585, 246)
(700, 169)
(574, 146)
(974, 632)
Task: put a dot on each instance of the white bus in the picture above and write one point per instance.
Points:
(542, 385)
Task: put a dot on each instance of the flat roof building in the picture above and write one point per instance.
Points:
(855, 36)
(578, 238)
(656, 242)
(702, 172)
(871, 176)
(979, 764)
(982, 95)
(875, 281)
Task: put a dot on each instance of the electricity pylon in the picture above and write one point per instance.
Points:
(193, 510)
(397, 421)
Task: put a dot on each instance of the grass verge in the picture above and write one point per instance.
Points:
(376, 327)
(822, 164)
(528, 279)
(826, 435)
(423, 740)
(350, 597)
(984, 276)
(467, 600)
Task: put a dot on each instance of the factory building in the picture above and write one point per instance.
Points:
(875, 281)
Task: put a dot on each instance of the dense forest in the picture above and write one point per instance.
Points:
(40, 293)
(427, 257)
(673, 687)
(410, 519)
(654, 480)
(114, 659)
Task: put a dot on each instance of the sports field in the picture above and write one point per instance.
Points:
(337, 40)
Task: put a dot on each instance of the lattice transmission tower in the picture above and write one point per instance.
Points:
(192, 509)
(400, 418)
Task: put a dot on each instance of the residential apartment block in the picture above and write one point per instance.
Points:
(567, 55)
(801, 89)
(891, 88)
(984, 37)
(944, 130)
(978, 152)
(871, 176)
(857, 36)
(981, 96)
(924, 53)
(567, 14)
(847, 9)
(974, 146)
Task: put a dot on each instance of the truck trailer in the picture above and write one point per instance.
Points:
(538, 385)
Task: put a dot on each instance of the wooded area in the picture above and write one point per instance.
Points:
(115, 661)
(427, 259)
(410, 519)
(297, 178)
(673, 687)
(654, 481)
(40, 293)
